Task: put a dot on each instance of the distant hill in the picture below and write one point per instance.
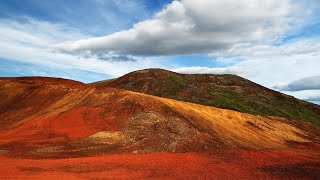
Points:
(52, 128)
(64, 116)
(223, 91)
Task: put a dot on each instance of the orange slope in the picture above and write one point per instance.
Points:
(44, 112)
(55, 128)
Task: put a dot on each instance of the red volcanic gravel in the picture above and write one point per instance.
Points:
(241, 164)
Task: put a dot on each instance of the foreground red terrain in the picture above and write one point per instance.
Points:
(240, 164)
(55, 128)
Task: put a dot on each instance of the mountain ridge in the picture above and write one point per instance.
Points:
(62, 128)
(223, 91)
(83, 104)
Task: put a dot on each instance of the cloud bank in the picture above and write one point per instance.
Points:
(30, 42)
(206, 70)
(314, 98)
(309, 83)
(193, 27)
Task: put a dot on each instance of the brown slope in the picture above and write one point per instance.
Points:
(223, 91)
(23, 97)
(47, 118)
(71, 119)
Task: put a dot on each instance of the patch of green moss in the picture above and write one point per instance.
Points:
(176, 84)
(173, 89)
(245, 103)
(229, 100)
(292, 111)
(177, 79)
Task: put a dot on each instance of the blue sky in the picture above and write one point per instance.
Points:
(274, 42)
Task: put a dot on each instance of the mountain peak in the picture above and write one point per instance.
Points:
(48, 119)
(223, 91)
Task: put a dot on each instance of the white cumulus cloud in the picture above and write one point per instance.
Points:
(207, 70)
(30, 42)
(308, 83)
(195, 26)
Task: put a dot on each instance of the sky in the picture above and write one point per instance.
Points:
(275, 43)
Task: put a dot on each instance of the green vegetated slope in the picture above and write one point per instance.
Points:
(223, 91)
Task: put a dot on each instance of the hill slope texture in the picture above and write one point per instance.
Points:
(222, 91)
(118, 133)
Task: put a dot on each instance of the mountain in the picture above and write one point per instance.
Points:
(54, 127)
(40, 112)
(222, 91)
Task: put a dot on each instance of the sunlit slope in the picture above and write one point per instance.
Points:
(223, 91)
(48, 115)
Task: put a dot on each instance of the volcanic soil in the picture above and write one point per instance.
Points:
(56, 128)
